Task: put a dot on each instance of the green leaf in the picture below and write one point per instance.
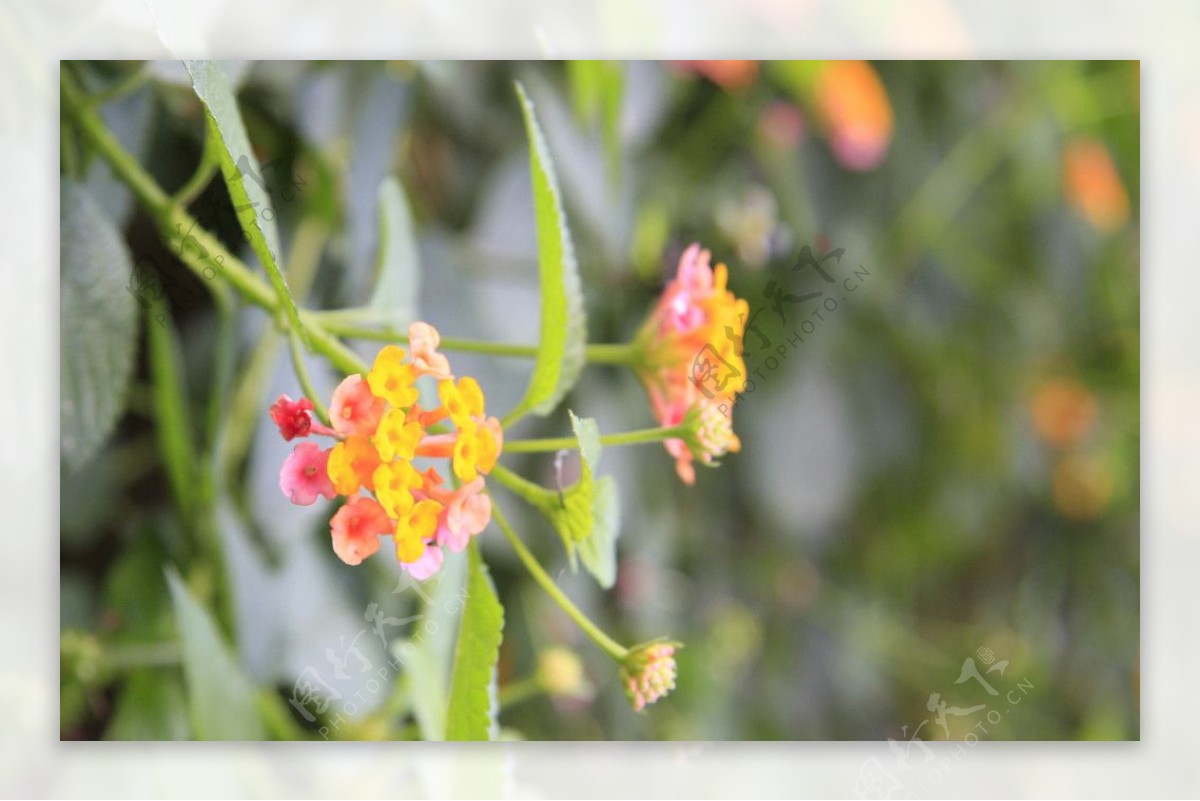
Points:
(473, 706)
(598, 551)
(135, 596)
(587, 514)
(151, 706)
(560, 356)
(397, 281)
(171, 418)
(220, 696)
(596, 91)
(427, 667)
(98, 320)
(243, 175)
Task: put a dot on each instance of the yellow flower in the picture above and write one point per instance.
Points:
(475, 450)
(462, 401)
(397, 436)
(393, 380)
(416, 525)
(394, 483)
(352, 463)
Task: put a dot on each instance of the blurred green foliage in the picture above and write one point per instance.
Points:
(942, 468)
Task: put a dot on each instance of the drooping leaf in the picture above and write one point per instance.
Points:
(243, 174)
(560, 355)
(588, 433)
(598, 551)
(397, 272)
(98, 325)
(473, 703)
(220, 696)
(586, 515)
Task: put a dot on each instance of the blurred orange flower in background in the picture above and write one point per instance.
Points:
(1063, 411)
(852, 105)
(1091, 184)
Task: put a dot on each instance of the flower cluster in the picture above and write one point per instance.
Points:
(381, 429)
(648, 673)
(690, 360)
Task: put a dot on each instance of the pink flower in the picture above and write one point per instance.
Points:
(681, 310)
(429, 563)
(356, 528)
(304, 475)
(294, 418)
(354, 409)
(468, 512)
(423, 341)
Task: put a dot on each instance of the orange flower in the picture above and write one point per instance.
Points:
(352, 463)
(1092, 185)
(356, 529)
(852, 105)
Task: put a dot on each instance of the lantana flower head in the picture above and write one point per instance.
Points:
(648, 673)
(380, 430)
(690, 360)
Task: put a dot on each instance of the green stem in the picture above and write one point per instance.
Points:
(352, 331)
(206, 254)
(306, 384)
(624, 354)
(348, 323)
(607, 644)
(199, 181)
(121, 87)
(128, 657)
(224, 361)
(534, 494)
(177, 226)
(571, 443)
(521, 690)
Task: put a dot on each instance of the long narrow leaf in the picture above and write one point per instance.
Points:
(243, 175)
(473, 704)
(560, 355)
